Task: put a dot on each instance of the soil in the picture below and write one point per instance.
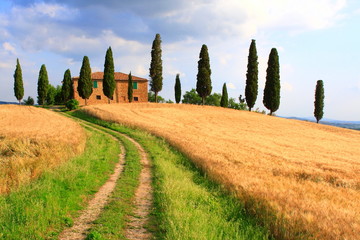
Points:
(136, 227)
(137, 222)
(83, 223)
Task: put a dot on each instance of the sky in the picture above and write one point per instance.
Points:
(315, 40)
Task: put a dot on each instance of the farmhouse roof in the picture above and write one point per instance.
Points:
(119, 76)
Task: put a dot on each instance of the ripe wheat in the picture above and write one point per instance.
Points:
(33, 140)
(305, 172)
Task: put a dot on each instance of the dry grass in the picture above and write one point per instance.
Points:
(33, 140)
(306, 173)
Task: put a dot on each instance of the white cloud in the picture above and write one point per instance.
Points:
(5, 65)
(230, 86)
(287, 86)
(357, 86)
(41, 9)
(281, 14)
(8, 47)
(141, 70)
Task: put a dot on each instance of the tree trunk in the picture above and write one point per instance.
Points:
(203, 101)
(249, 109)
(85, 101)
(156, 97)
(271, 112)
(109, 100)
(20, 102)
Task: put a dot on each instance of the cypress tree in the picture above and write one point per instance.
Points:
(130, 88)
(109, 75)
(177, 89)
(271, 98)
(224, 97)
(85, 84)
(319, 101)
(67, 88)
(203, 84)
(251, 89)
(43, 85)
(18, 82)
(156, 67)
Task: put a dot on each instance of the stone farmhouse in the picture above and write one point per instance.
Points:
(140, 89)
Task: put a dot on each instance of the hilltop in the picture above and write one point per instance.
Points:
(304, 171)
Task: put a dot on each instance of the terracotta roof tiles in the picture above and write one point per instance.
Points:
(118, 76)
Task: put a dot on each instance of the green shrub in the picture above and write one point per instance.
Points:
(29, 101)
(72, 104)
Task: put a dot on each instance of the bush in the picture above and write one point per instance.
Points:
(29, 101)
(72, 104)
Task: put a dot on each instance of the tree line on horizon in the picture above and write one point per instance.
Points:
(271, 96)
(47, 94)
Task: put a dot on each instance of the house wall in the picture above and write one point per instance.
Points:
(120, 93)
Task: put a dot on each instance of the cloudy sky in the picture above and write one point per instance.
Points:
(315, 40)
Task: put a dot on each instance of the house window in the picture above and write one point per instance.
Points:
(136, 99)
(135, 85)
(98, 97)
(95, 84)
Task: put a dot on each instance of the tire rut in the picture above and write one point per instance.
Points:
(143, 200)
(136, 227)
(83, 223)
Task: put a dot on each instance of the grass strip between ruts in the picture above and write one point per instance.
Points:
(187, 204)
(112, 220)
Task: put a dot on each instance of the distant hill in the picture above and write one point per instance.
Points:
(337, 123)
(2, 102)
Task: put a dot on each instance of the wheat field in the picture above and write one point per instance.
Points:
(33, 140)
(307, 173)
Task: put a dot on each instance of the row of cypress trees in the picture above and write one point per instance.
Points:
(85, 84)
(271, 99)
(271, 96)
(42, 85)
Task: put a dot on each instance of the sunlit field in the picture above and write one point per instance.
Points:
(33, 140)
(298, 177)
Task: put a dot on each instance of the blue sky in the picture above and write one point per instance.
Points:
(315, 40)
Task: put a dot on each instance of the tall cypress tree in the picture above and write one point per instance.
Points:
(18, 82)
(319, 101)
(177, 89)
(85, 85)
(109, 75)
(130, 88)
(156, 67)
(67, 88)
(271, 98)
(203, 84)
(224, 97)
(251, 89)
(43, 85)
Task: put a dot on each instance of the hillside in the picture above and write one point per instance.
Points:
(304, 171)
(33, 140)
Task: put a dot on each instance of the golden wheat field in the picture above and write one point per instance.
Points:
(33, 140)
(306, 172)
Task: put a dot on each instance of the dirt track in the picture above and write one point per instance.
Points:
(137, 222)
(83, 223)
